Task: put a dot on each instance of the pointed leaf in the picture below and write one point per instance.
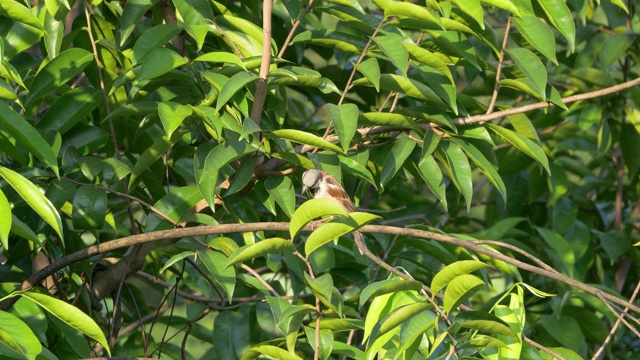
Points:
(281, 188)
(561, 18)
(153, 153)
(450, 272)
(17, 336)
(460, 289)
(172, 114)
(400, 151)
(481, 321)
(532, 67)
(26, 136)
(89, 208)
(388, 286)
(132, 13)
(432, 175)
(225, 276)
(154, 38)
(34, 198)
(5, 220)
(333, 230)
(345, 121)
(391, 46)
(313, 209)
(215, 160)
(484, 165)
(58, 71)
(305, 138)
(370, 69)
(158, 63)
(538, 34)
(261, 248)
(69, 314)
(523, 144)
(458, 166)
(233, 85)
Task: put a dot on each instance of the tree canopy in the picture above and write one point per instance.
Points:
(151, 155)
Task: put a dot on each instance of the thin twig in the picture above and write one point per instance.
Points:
(137, 239)
(496, 87)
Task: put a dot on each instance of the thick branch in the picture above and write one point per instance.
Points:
(280, 226)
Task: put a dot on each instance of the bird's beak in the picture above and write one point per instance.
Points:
(305, 188)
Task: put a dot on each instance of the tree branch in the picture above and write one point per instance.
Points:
(281, 226)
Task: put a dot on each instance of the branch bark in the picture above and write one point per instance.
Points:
(281, 226)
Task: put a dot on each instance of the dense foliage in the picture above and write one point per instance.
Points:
(151, 152)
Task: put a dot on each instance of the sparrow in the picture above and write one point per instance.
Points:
(321, 185)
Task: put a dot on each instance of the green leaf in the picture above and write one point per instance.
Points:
(428, 58)
(34, 198)
(159, 62)
(388, 286)
(132, 13)
(222, 57)
(172, 115)
(312, 209)
(481, 321)
(459, 289)
(507, 5)
(333, 230)
(281, 188)
(452, 271)
(400, 151)
(523, 144)
(233, 85)
(153, 153)
(215, 160)
(398, 317)
(175, 204)
(299, 76)
(356, 169)
(473, 8)
(53, 34)
(16, 11)
(565, 329)
(532, 67)
(270, 351)
(69, 314)
(5, 220)
(333, 39)
(538, 34)
(614, 48)
(389, 119)
(410, 87)
(432, 175)
(302, 137)
(370, 69)
(26, 136)
(225, 276)
(559, 249)
(195, 12)
(391, 46)
(261, 248)
(69, 109)
(460, 170)
(89, 208)
(17, 336)
(409, 10)
(561, 18)
(522, 125)
(154, 38)
(484, 165)
(345, 121)
(58, 71)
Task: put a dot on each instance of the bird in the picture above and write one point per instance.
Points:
(322, 185)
